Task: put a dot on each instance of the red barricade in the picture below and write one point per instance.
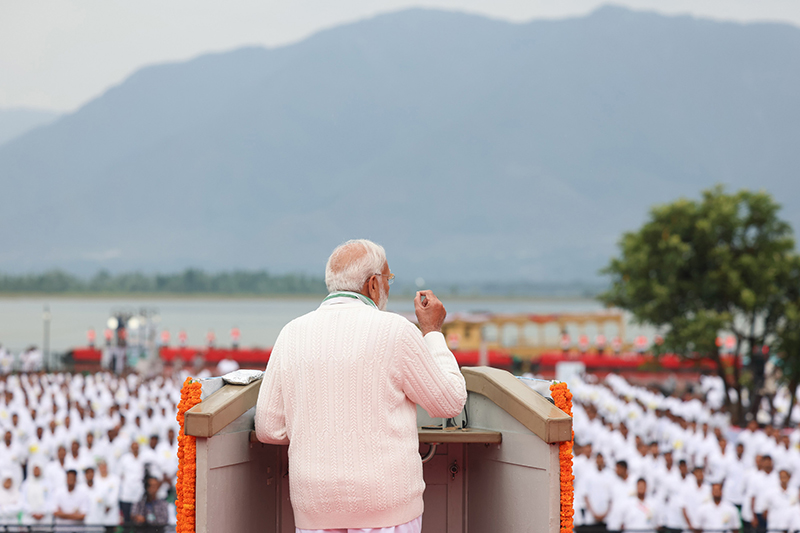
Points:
(247, 356)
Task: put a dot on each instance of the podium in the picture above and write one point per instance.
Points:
(499, 473)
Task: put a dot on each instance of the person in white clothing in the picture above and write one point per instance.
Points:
(779, 502)
(77, 459)
(55, 472)
(94, 492)
(718, 460)
(132, 470)
(349, 372)
(598, 494)
(717, 515)
(226, 366)
(91, 449)
(13, 455)
(10, 499)
(167, 453)
(762, 485)
(734, 488)
(794, 514)
(640, 513)
(624, 487)
(71, 502)
(108, 487)
(31, 359)
(695, 493)
(671, 491)
(582, 464)
(36, 492)
(6, 361)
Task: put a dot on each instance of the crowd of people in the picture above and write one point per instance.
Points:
(31, 359)
(101, 450)
(645, 461)
(97, 450)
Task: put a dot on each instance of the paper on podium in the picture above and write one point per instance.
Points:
(242, 377)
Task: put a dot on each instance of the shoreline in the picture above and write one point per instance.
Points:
(251, 297)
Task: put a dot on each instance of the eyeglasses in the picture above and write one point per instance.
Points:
(389, 277)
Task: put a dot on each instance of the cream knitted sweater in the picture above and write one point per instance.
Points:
(340, 388)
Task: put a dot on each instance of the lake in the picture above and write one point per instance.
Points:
(259, 319)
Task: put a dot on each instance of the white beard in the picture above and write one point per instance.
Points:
(382, 300)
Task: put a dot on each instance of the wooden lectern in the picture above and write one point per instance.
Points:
(499, 474)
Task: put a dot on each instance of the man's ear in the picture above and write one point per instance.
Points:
(374, 290)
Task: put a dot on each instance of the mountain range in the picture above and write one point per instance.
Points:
(15, 122)
(472, 148)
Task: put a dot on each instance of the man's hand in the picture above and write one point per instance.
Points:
(430, 312)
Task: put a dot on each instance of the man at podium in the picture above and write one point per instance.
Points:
(340, 389)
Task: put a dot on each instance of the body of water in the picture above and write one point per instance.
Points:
(259, 320)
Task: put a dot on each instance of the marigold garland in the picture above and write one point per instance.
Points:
(187, 460)
(563, 400)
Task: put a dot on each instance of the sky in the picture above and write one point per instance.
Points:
(59, 54)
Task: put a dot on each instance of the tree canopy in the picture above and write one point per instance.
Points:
(696, 268)
(190, 281)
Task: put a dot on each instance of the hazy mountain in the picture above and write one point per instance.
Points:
(15, 122)
(471, 148)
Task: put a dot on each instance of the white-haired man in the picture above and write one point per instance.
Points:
(341, 387)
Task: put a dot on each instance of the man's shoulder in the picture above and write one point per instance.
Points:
(707, 505)
(111, 478)
(729, 507)
(301, 323)
(394, 318)
(355, 312)
(652, 502)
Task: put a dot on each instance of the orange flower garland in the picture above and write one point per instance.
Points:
(187, 460)
(563, 400)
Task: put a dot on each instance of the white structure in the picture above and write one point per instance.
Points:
(500, 473)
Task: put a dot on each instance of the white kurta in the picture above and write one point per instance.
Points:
(109, 488)
(74, 501)
(718, 517)
(131, 478)
(639, 515)
(694, 497)
(779, 507)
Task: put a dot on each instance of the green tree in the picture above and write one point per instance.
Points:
(787, 342)
(190, 281)
(697, 268)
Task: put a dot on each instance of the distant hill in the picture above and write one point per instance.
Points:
(473, 149)
(15, 122)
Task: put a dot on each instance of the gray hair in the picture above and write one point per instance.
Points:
(352, 263)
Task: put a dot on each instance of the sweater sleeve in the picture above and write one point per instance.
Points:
(270, 412)
(431, 377)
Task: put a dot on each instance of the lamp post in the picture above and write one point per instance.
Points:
(46, 342)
